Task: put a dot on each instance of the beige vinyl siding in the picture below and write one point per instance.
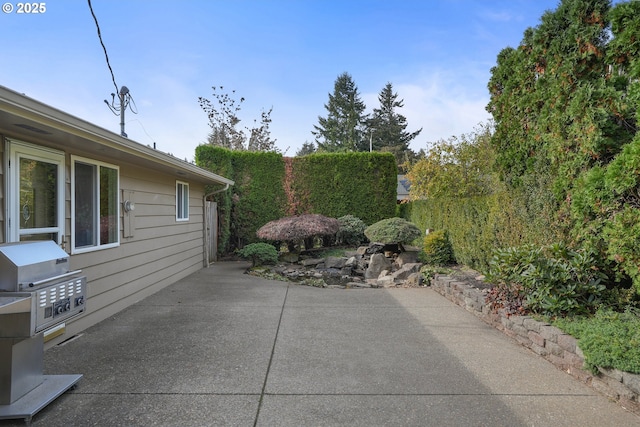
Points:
(160, 251)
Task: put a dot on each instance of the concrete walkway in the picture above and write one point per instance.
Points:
(221, 348)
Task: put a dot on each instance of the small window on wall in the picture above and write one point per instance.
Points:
(182, 201)
(95, 216)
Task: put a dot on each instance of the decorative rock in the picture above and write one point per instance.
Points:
(350, 262)
(312, 261)
(383, 273)
(375, 248)
(377, 263)
(407, 258)
(335, 262)
(406, 270)
(346, 271)
(386, 282)
(414, 280)
(358, 285)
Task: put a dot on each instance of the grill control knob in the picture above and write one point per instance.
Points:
(79, 301)
(67, 306)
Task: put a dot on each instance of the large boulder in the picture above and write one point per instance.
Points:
(406, 270)
(377, 264)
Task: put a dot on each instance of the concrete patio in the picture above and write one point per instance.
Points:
(222, 348)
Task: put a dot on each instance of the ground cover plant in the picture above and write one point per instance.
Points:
(609, 339)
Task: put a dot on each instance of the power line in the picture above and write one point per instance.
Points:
(106, 55)
(124, 97)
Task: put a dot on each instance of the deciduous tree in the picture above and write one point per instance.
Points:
(223, 120)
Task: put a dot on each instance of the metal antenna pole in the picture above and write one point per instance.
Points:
(124, 91)
(124, 98)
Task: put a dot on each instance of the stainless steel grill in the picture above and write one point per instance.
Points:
(37, 292)
(42, 270)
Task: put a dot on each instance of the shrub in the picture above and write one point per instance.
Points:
(552, 280)
(437, 249)
(259, 253)
(608, 339)
(299, 228)
(392, 230)
(351, 231)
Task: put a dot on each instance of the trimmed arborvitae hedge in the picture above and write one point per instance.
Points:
(268, 186)
(338, 184)
(218, 160)
(476, 226)
(256, 198)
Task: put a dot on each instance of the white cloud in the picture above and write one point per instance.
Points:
(438, 104)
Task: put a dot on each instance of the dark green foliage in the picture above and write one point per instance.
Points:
(566, 105)
(477, 225)
(342, 129)
(392, 230)
(552, 281)
(334, 185)
(609, 339)
(387, 128)
(218, 160)
(256, 198)
(259, 253)
(437, 249)
(351, 231)
(607, 215)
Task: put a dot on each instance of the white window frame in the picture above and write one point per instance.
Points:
(181, 198)
(18, 150)
(98, 246)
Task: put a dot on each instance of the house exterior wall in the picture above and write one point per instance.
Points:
(158, 252)
(155, 249)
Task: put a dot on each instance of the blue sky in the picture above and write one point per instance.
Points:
(284, 54)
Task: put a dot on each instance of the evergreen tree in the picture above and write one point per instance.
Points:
(306, 149)
(342, 129)
(387, 129)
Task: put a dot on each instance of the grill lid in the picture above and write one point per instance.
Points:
(27, 262)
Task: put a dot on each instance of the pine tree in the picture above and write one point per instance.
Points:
(342, 129)
(387, 129)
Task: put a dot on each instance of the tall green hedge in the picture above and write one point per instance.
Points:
(218, 160)
(256, 198)
(334, 185)
(478, 225)
(337, 184)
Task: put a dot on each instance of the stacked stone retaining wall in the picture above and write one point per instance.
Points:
(545, 340)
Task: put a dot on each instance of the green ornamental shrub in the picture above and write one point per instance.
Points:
(437, 249)
(259, 253)
(351, 231)
(553, 281)
(392, 231)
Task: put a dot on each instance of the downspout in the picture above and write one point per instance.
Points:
(206, 234)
